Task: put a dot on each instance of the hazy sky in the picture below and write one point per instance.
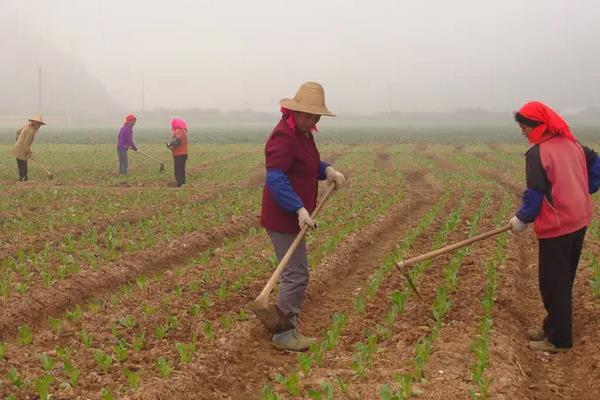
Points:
(430, 55)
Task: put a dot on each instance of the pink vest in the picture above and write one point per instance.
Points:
(566, 170)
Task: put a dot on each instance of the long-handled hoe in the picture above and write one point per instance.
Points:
(402, 265)
(48, 173)
(162, 164)
(270, 315)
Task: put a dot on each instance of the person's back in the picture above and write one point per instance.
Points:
(569, 207)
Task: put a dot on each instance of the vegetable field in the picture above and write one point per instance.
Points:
(126, 288)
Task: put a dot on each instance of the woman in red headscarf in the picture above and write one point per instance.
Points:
(561, 175)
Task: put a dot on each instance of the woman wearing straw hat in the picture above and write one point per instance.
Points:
(561, 175)
(294, 168)
(22, 148)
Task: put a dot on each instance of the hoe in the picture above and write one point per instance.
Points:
(162, 164)
(411, 261)
(270, 315)
(48, 173)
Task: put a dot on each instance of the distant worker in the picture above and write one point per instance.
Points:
(22, 148)
(125, 142)
(561, 174)
(294, 168)
(179, 147)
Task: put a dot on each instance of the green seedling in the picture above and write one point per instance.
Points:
(25, 336)
(103, 360)
(42, 387)
(164, 367)
(133, 378)
(14, 378)
(47, 362)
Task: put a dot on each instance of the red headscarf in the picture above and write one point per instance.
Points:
(289, 116)
(551, 123)
(130, 117)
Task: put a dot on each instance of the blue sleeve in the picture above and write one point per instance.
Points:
(281, 189)
(594, 176)
(322, 166)
(532, 203)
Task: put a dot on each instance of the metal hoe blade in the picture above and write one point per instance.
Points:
(403, 271)
(271, 317)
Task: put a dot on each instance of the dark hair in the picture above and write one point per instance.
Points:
(526, 121)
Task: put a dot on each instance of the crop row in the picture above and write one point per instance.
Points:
(172, 325)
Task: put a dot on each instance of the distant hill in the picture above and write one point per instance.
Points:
(68, 89)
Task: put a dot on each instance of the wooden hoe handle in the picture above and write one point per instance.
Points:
(41, 166)
(148, 155)
(447, 249)
(263, 297)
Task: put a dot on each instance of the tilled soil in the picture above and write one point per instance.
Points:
(241, 360)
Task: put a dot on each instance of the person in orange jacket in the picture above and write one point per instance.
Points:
(179, 147)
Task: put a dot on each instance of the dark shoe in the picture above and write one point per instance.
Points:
(292, 340)
(545, 345)
(535, 334)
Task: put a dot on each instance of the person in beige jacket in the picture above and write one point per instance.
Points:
(22, 148)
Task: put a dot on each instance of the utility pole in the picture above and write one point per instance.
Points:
(143, 94)
(40, 89)
(389, 98)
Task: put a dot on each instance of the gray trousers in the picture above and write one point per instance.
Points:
(294, 278)
(122, 161)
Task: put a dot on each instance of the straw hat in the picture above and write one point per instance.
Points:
(310, 98)
(38, 118)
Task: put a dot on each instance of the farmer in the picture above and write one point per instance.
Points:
(179, 147)
(22, 148)
(561, 175)
(126, 142)
(294, 168)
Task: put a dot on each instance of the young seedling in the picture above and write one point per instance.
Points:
(268, 394)
(103, 360)
(74, 315)
(133, 378)
(290, 383)
(55, 324)
(42, 387)
(164, 367)
(128, 322)
(47, 362)
(121, 351)
(25, 335)
(3, 347)
(105, 394)
(138, 342)
(161, 331)
(85, 338)
(73, 373)
(14, 378)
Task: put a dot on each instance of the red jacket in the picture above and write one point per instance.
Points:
(297, 156)
(565, 166)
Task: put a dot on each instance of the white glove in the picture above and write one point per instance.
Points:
(335, 176)
(304, 218)
(517, 225)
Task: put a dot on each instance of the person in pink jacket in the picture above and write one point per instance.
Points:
(561, 175)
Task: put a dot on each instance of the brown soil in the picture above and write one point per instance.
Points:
(38, 305)
(244, 358)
